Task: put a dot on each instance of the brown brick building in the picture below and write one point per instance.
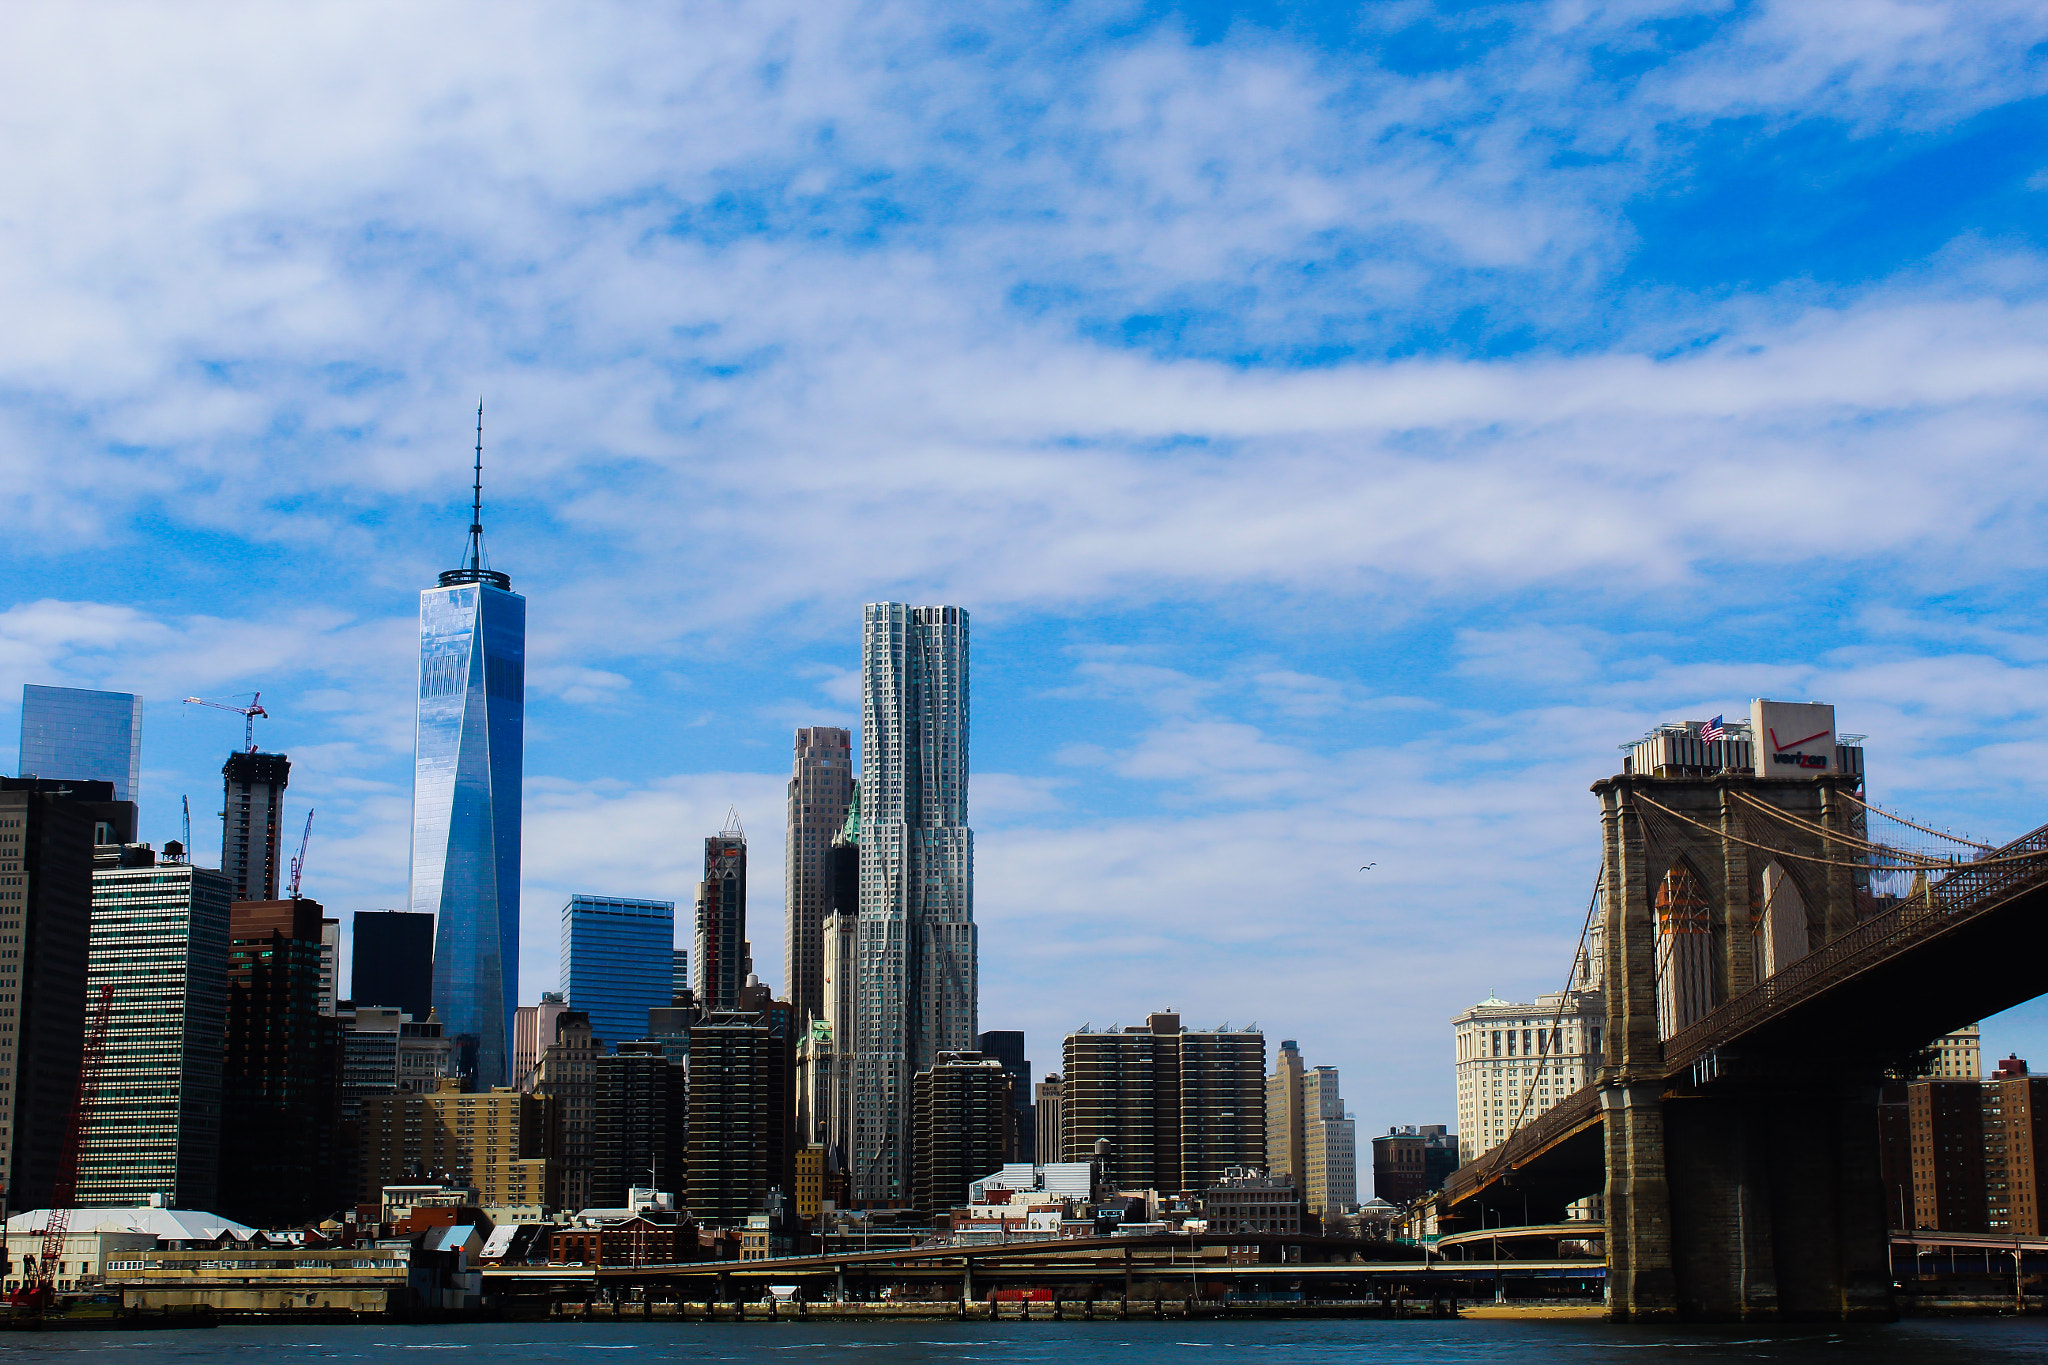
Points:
(499, 1141)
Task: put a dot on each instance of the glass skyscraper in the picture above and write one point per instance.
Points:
(468, 751)
(77, 735)
(617, 962)
(916, 975)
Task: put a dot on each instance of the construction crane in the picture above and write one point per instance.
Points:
(247, 713)
(299, 862)
(38, 1286)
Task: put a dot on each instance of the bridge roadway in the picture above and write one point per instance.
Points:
(1974, 944)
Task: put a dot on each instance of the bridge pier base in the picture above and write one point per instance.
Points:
(1746, 1202)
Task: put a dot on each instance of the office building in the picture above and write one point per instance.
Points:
(494, 1141)
(47, 840)
(1413, 1161)
(330, 966)
(533, 1028)
(1514, 1061)
(642, 1121)
(1246, 1199)
(1178, 1107)
(393, 962)
(963, 1126)
(567, 1076)
(679, 973)
(1329, 1174)
(252, 823)
(468, 758)
(721, 940)
(917, 987)
(385, 1049)
(1955, 1056)
(160, 940)
(1007, 1047)
(616, 961)
(1046, 1115)
(820, 791)
(280, 1085)
(829, 1078)
(780, 1136)
(1286, 1146)
(71, 734)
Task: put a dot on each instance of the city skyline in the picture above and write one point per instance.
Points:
(1342, 440)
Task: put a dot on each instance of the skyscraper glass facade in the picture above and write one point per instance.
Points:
(617, 962)
(80, 735)
(820, 790)
(160, 939)
(468, 759)
(917, 982)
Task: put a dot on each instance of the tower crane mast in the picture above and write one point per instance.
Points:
(299, 861)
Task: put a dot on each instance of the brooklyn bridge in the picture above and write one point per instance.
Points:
(1771, 949)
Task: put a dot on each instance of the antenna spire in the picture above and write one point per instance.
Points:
(476, 496)
(475, 570)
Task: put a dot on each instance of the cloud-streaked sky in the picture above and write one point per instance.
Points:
(1345, 424)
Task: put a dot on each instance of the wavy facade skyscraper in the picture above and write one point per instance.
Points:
(917, 974)
(468, 756)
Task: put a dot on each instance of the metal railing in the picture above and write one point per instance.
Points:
(1970, 890)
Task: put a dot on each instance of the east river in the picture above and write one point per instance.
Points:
(1983, 1341)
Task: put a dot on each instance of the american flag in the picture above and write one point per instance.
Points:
(1712, 730)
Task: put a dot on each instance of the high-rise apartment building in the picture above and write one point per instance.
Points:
(252, 822)
(1007, 1046)
(1514, 1061)
(74, 734)
(533, 1029)
(731, 1079)
(1976, 1154)
(721, 941)
(642, 1123)
(46, 864)
(964, 1124)
(567, 1076)
(495, 1140)
(820, 790)
(393, 961)
(468, 757)
(679, 973)
(281, 1077)
(330, 965)
(1178, 1107)
(828, 1080)
(917, 986)
(616, 961)
(160, 940)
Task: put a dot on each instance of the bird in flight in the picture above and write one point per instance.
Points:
(1368, 867)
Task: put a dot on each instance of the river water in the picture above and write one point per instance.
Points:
(1984, 1341)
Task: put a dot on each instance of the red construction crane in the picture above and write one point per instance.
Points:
(247, 713)
(38, 1285)
(299, 862)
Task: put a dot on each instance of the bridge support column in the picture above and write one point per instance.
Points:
(1640, 1281)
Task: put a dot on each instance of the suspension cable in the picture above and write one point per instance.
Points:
(1814, 826)
(1922, 864)
(1952, 838)
(1557, 1018)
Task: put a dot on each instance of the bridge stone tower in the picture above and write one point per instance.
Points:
(1742, 1177)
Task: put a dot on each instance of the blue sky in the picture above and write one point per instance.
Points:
(1346, 425)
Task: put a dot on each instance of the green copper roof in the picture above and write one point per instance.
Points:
(850, 831)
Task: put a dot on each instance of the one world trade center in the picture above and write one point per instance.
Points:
(467, 758)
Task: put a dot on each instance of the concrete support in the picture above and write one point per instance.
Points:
(1640, 1279)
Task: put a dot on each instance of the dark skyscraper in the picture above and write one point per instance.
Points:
(468, 756)
(394, 960)
(820, 789)
(46, 862)
(1007, 1046)
(642, 1116)
(280, 1084)
(252, 831)
(721, 947)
